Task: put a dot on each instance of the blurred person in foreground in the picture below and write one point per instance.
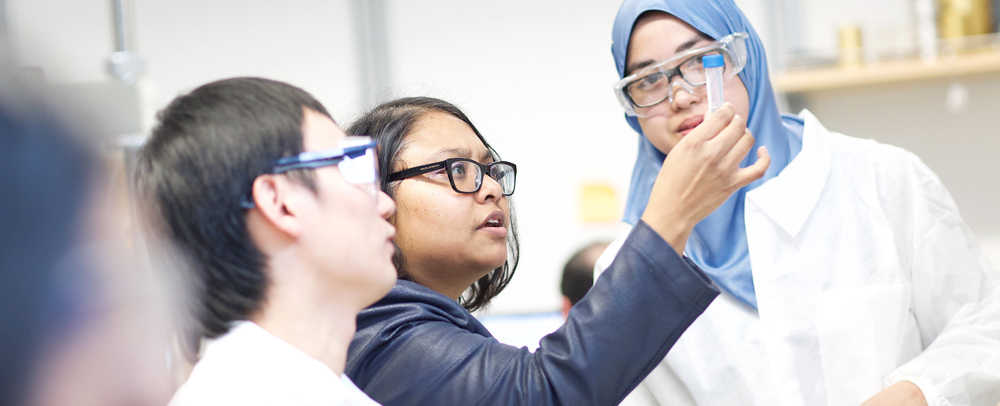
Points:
(286, 233)
(81, 322)
(578, 275)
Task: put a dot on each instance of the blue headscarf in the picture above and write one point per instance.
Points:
(718, 243)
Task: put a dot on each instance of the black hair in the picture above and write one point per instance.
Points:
(578, 274)
(389, 124)
(200, 160)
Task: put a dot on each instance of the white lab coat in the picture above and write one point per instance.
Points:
(865, 275)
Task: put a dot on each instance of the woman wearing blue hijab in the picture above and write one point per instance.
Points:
(847, 272)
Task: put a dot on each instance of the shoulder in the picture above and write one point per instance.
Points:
(417, 335)
(903, 184)
(409, 303)
(896, 170)
(892, 166)
(410, 311)
(845, 146)
(214, 383)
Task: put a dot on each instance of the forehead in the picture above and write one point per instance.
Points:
(437, 136)
(319, 131)
(657, 36)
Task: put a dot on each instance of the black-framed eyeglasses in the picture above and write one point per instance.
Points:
(357, 164)
(466, 175)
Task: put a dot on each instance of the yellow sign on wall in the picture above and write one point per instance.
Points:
(598, 203)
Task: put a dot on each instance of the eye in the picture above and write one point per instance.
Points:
(499, 172)
(458, 170)
(650, 80)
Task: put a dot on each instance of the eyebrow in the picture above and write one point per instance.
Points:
(680, 48)
(450, 153)
(457, 152)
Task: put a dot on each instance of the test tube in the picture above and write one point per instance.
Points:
(714, 64)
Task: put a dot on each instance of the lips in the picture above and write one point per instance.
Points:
(495, 224)
(690, 124)
(495, 219)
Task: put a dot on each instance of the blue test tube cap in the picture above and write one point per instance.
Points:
(713, 61)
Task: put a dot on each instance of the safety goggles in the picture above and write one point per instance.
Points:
(657, 83)
(466, 175)
(355, 158)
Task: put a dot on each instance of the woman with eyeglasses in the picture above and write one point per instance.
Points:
(457, 248)
(848, 275)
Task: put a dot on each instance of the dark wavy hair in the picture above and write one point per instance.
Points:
(390, 124)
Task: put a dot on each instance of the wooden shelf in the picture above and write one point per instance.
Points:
(810, 80)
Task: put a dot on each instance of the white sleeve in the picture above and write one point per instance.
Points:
(640, 396)
(955, 302)
(609, 254)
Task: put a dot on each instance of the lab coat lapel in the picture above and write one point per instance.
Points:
(790, 197)
(783, 205)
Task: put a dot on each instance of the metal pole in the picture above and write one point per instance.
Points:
(3, 19)
(371, 48)
(124, 33)
(124, 64)
(5, 45)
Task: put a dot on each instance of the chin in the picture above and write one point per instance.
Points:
(662, 142)
(487, 266)
(498, 263)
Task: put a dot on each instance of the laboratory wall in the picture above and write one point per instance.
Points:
(186, 43)
(534, 76)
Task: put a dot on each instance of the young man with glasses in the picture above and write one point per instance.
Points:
(285, 235)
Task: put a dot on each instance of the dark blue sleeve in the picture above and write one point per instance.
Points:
(612, 339)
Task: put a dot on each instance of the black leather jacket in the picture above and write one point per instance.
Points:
(419, 347)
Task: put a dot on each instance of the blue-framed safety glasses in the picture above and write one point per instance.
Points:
(355, 158)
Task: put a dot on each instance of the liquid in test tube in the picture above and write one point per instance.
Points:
(714, 64)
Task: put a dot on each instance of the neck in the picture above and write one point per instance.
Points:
(451, 284)
(301, 311)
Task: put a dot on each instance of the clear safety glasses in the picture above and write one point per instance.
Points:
(466, 175)
(355, 158)
(657, 83)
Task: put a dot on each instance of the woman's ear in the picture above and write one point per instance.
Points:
(274, 197)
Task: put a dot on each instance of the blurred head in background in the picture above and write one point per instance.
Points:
(578, 274)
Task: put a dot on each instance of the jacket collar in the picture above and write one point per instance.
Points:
(790, 197)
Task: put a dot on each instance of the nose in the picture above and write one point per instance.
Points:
(489, 190)
(682, 96)
(386, 207)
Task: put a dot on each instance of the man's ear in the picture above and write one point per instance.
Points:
(274, 197)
